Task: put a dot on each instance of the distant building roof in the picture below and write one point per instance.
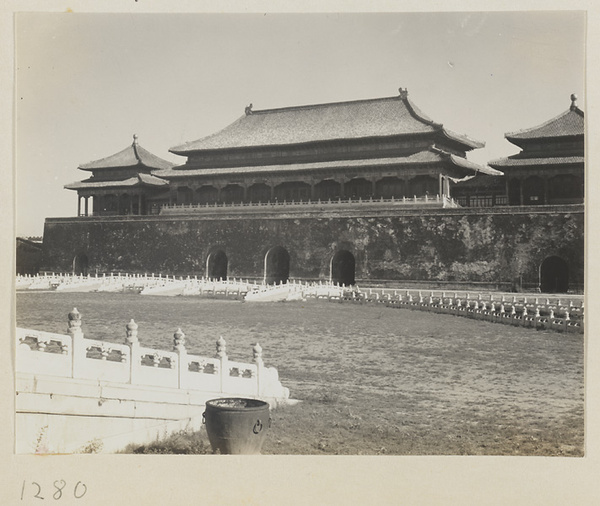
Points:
(569, 123)
(425, 157)
(131, 156)
(138, 180)
(378, 117)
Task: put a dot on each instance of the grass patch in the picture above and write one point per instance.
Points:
(179, 443)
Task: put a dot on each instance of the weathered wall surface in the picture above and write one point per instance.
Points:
(29, 256)
(492, 245)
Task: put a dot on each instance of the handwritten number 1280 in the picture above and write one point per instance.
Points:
(79, 490)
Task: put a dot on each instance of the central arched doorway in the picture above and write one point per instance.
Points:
(216, 265)
(277, 265)
(343, 268)
(554, 275)
(80, 265)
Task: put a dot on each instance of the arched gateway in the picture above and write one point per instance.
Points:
(277, 265)
(343, 268)
(554, 275)
(216, 265)
(80, 265)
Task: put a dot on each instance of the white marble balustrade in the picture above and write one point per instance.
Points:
(74, 356)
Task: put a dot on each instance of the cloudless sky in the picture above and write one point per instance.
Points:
(87, 82)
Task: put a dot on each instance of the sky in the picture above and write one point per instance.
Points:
(86, 82)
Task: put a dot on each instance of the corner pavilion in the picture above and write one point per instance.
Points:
(121, 183)
(549, 169)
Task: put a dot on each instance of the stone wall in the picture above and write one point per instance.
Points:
(496, 246)
(29, 256)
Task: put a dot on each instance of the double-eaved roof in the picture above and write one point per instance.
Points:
(138, 163)
(561, 136)
(380, 117)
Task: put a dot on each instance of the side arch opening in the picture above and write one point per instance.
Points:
(554, 275)
(343, 268)
(80, 265)
(216, 265)
(277, 265)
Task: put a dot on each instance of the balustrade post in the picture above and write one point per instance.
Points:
(224, 367)
(537, 317)
(257, 358)
(567, 319)
(134, 351)
(182, 367)
(78, 351)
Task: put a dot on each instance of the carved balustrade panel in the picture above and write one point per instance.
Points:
(104, 360)
(156, 367)
(41, 352)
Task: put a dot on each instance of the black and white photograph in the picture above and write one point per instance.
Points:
(351, 237)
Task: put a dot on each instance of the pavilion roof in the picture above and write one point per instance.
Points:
(380, 117)
(131, 156)
(428, 156)
(135, 181)
(567, 124)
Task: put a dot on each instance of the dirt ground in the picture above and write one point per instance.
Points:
(439, 385)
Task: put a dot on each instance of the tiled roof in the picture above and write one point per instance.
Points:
(422, 157)
(131, 156)
(529, 162)
(569, 123)
(151, 180)
(322, 122)
(139, 180)
(463, 162)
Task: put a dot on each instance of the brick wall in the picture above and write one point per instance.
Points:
(495, 246)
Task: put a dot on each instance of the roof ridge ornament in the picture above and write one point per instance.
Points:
(135, 139)
(403, 93)
(573, 101)
(248, 110)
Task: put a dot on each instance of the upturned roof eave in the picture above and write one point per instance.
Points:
(462, 139)
(480, 169)
(463, 163)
